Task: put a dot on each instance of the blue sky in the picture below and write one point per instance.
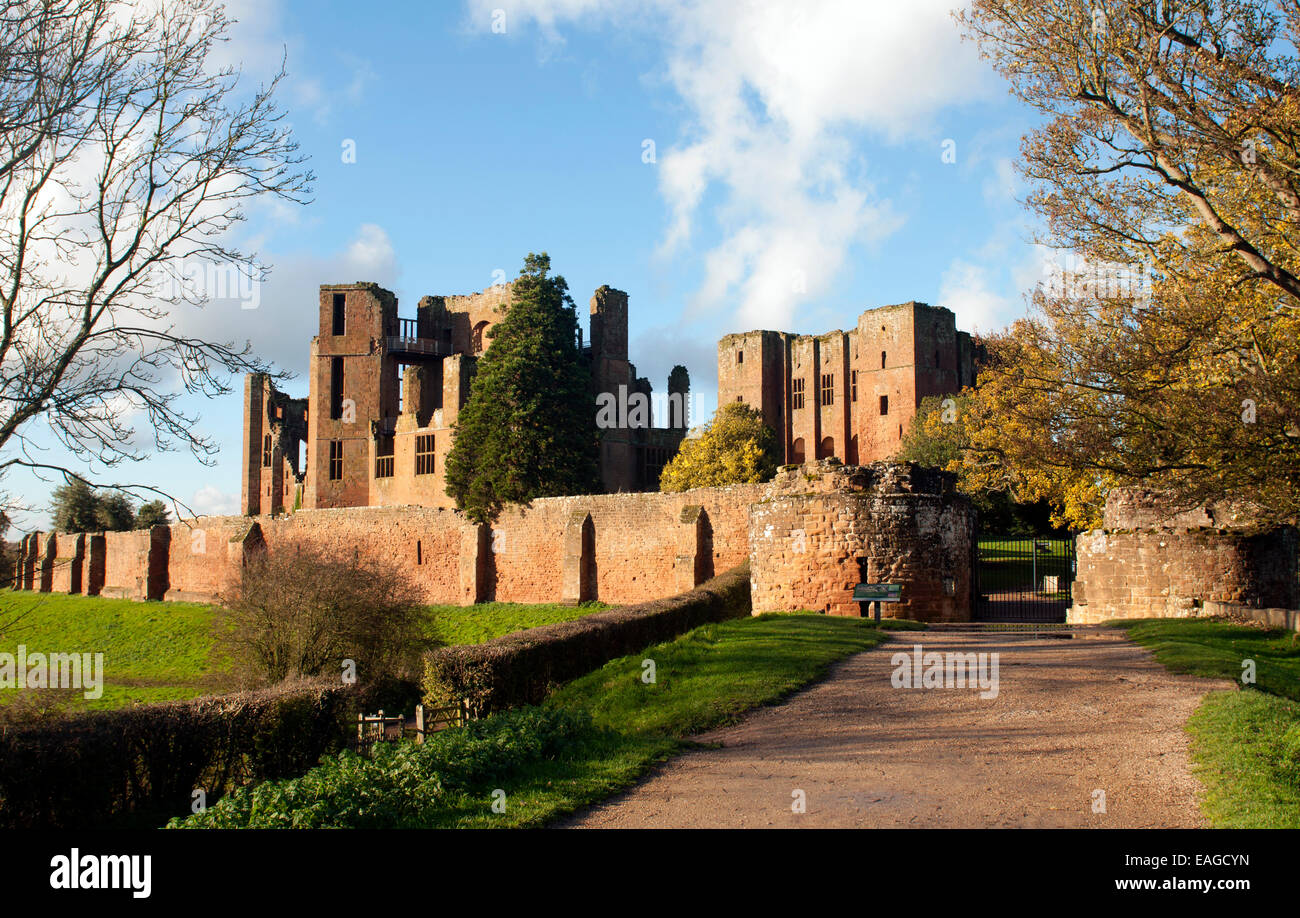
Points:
(798, 174)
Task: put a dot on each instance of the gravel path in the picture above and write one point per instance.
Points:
(1072, 716)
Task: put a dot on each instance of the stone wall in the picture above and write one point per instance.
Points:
(822, 528)
(883, 523)
(1157, 561)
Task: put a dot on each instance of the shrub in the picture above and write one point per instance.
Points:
(298, 612)
(404, 785)
(105, 767)
(522, 668)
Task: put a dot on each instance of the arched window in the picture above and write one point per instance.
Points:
(852, 458)
(266, 451)
(827, 449)
(796, 452)
(476, 343)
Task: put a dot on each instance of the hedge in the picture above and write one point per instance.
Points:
(522, 668)
(142, 764)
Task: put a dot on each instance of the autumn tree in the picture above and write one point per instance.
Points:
(1165, 350)
(735, 447)
(126, 161)
(1006, 500)
(528, 429)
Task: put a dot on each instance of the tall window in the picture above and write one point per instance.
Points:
(336, 388)
(424, 454)
(336, 460)
(853, 386)
(882, 360)
(266, 451)
(796, 393)
(884, 405)
(340, 313)
(740, 356)
(384, 457)
(476, 339)
(828, 388)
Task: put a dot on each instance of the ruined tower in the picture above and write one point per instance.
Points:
(850, 394)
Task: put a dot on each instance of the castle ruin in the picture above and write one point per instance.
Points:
(847, 395)
(385, 393)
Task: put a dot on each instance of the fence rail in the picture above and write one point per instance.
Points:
(389, 728)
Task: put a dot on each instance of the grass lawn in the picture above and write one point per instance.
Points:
(1008, 565)
(152, 651)
(155, 651)
(1216, 649)
(476, 624)
(592, 737)
(1245, 744)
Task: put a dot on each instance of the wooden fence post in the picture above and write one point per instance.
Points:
(419, 723)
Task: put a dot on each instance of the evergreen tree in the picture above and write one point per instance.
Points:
(154, 513)
(528, 428)
(75, 507)
(116, 512)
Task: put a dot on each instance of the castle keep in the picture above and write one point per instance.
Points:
(385, 393)
(847, 394)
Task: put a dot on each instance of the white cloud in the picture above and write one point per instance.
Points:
(775, 93)
(965, 288)
(212, 501)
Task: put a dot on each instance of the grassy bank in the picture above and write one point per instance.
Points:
(157, 651)
(592, 738)
(476, 624)
(152, 651)
(1245, 744)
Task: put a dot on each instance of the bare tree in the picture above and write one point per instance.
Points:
(126, 160)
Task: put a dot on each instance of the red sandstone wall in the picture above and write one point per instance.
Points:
(643, 544)
(823, 529)
(126, 564)
(637, 539)
(1170, 574)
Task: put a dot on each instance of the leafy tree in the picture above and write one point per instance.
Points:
(116, 512)
(75, 507)
(735, 447)
(1169, 167)
(528, 428)
(153, 513)
(938, 437)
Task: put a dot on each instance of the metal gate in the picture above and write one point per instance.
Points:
(1019, 579)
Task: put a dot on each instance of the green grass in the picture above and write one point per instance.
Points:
(167, 651)
(1006, 565)
(1215, 648)
(476, 624)
(152, 651)
(1245, 744)
(593, 737)
(1246, 749)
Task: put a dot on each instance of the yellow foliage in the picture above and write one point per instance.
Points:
(734, 448)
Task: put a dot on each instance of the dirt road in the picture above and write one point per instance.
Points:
(1071, 717)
